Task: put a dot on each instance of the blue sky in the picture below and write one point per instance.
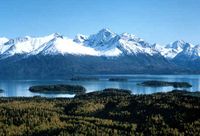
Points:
(160, 21)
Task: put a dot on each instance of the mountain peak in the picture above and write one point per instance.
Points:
(106, 33)
(101, 38)
(105, 30)
(179, 44)
(55, 35)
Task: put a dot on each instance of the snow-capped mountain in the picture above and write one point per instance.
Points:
(23, 45)
(109, 43)
(171, 50)
(103, 52)
(189, 52)
(63, 45)
(104, 43)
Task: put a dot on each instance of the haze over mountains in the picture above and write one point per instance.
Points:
(103, 53)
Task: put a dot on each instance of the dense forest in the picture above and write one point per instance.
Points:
(107, 112)
(46, 66)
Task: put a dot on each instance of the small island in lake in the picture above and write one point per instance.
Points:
(155, 83)
(60, 88)
(79, 78)
(118, 79)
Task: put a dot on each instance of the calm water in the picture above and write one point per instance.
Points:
(20, 87)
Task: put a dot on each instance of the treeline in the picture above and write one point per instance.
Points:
(108, 112)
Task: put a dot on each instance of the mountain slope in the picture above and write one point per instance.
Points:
(102, 53)
(104, 43)
(65, 66)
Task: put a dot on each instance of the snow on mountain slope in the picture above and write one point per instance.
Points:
(131, 44)
(112, 52)
(24, 45)
(178, 45)
(166, 52)
(171, 50)
(3, 40)
(197, 50)
(189, 53)
(103, 43)
(135, 39)
(101, 40)
(64, 46)
(107, 41)
(80, 38)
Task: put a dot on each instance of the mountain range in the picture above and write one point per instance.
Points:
(106, 52)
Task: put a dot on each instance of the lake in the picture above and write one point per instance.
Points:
(15, 88)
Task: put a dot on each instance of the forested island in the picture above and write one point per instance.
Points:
(107, 112)
(59, 88)
(82, 78)
(155, 83)
(119, 79)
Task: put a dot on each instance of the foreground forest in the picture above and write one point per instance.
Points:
(107, 112)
